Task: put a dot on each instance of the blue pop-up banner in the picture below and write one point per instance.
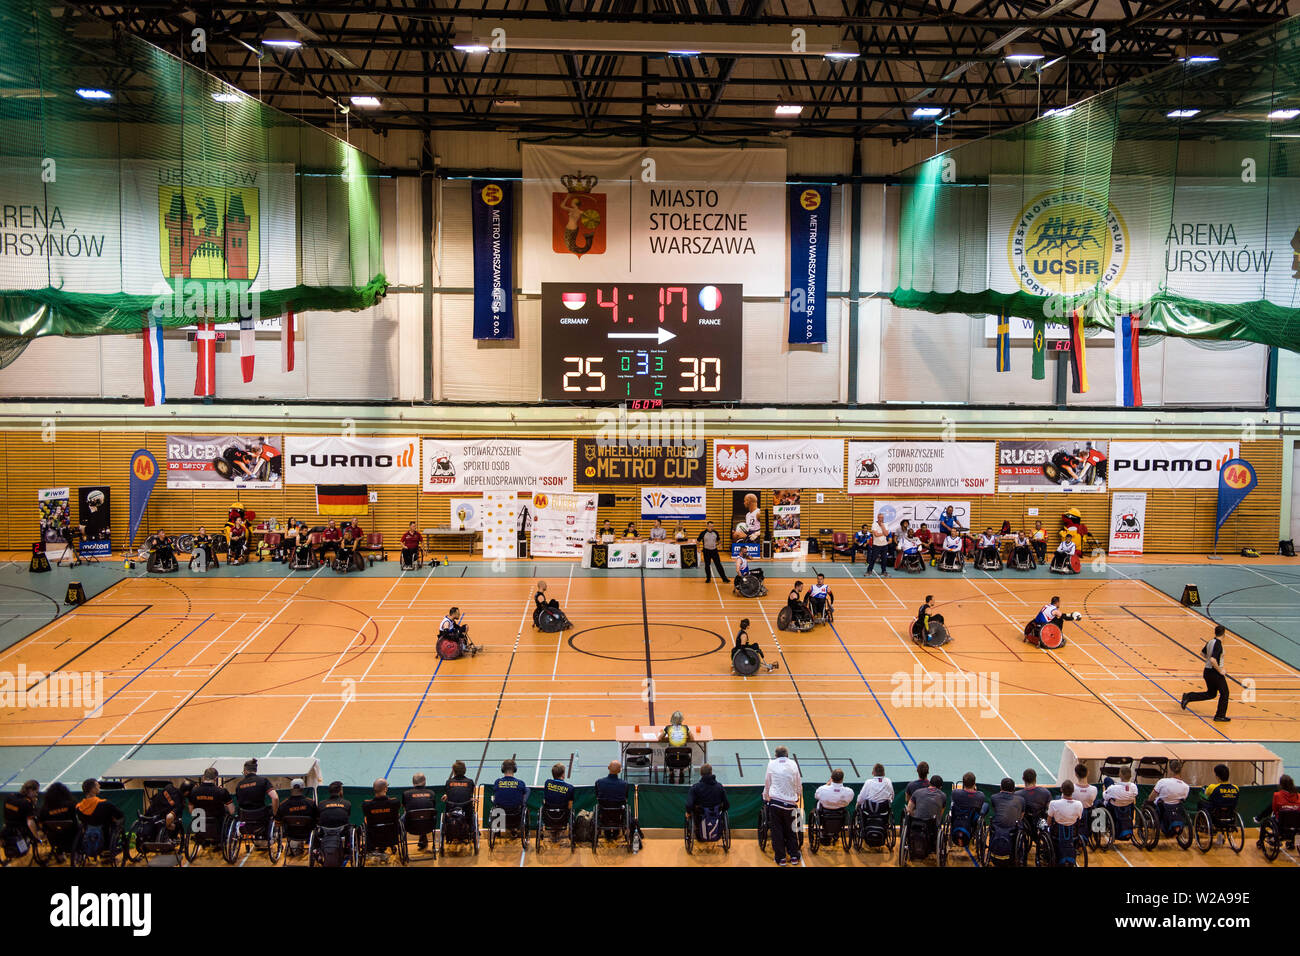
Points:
(1236, 480)
(493, 206)
(810, 220)
(144, 474)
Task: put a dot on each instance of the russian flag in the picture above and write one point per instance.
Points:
(1128, 374)
(155, 390)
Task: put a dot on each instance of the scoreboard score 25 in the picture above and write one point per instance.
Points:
(641, 341)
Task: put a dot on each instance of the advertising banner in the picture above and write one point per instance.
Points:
(479, 466)
(689, 504)
(1128, 521)
(224, 461)
(912, 467)
(786, 539)
(1165, 465)
(640, 463)
(1236, 480)
(335, 460)
(562, 524)
(784, 463)
(94, 514)
(53, 505)
(810, 220)
(493, 205)
(892, 512)
(1062, 464)
(500, 524)
(144, 475)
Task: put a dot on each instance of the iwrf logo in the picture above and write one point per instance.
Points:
(75, 910)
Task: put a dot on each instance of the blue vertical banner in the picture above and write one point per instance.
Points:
(144, 474)
(1236, 480)
(810, 221)
(493, 206)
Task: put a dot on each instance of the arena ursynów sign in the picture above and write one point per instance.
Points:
(1168, 464)
(339, 460)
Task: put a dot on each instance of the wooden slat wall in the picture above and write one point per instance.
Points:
(1176, 521)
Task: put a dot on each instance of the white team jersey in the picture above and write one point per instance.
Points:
(819, 590)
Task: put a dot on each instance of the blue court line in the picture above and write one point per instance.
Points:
(402, 743)
(867, 684)
(101, 707)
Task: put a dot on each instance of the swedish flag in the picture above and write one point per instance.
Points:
(1004, 343)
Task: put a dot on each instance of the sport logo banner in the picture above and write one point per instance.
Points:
(1128, 519)
(1059, 465)
(911, 467)
(1168, 464)
(351, 461)
(786, 539)
(670, 503)
(562, 524)
(224, 461)
(498, 463)
(95, 515)
(53, 504)
(784, 463)
(640, 463)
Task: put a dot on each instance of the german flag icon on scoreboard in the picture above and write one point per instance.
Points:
(342, 499)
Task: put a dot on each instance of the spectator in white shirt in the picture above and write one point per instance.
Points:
(876, 789)
(879, 547)
(833, 794)
(1172, 789)
(657, 531)
(782, 786)
(1065, 811)
(1122, 792)
(1084, 792)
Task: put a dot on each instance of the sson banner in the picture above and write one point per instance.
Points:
(223, 461)
(351, 461)
(793, 463)
(1128, 520)
(1168, 464)
(917, 467)
(498, 463)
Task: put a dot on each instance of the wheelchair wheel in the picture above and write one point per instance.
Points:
(1270, 841)
(762, 828)
(942, 848)
(1044, 852)
(1236, 837)
(745, 661)
(814, 829)
(362, 850)
(274, 841)
(1081, 852)
(354, 846)
(688, 834)
(1102, 829)
(981, 847)
(1146, 828)
(540, 830)
(190, 848)
(726, 833)
(1204, 828)
(1184, 835)
(783, 618)
(846, 835)
(902, 845)
(231, 844)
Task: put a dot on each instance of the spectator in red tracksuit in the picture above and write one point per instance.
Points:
(411, 541)
(1286, 795)
(329, 540)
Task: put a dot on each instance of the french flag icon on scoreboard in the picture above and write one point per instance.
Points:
(710, 298)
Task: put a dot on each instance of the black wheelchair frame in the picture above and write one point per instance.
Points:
(1277, 829)
(622, 813)
(459, 815)
(257, 828)
(872, 816)
(508, 823)
(828, 827)
(691, 832)
(554, 824)
(1211, 822)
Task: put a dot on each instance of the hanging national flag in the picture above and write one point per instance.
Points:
(1128, 375)
(205, 370)
(342, 499)
(1078, 358)
(286, 342)
(1040, 349)
(155, 389)
(1004, 343)
(247, 346)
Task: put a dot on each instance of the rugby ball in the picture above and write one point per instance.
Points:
(1076, 616)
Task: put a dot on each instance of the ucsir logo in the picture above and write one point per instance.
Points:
(441, 469)
(866, 473)
(1127, 527)
(1067, 242)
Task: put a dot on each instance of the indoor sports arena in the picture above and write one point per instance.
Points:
(702, 435)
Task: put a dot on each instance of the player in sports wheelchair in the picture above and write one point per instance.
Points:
(547, 616)
(874, 827)
(1218, 815)
(951, 557)
(555, 817)
(1279, 828)
(918, 839)
(746, 655)
(708, 824)
(911, 557)
(157, 830)
(348, 556)
(1166, 819)
(252, 828)
(747, 582)
(334, 846)
(795, 616)
(820, 601)
(929, 629)
(453, 637)
(302, 556)
(1022, 554)
(828, 826)
(460, 826)
(988, 552)
(964, 825)
(612, 821)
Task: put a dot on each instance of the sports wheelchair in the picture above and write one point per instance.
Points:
(101, 845)
(746, 660)
(298, 830)
(302, 557)
(148, 836)
(937, 637)
(551, 620)
(419, 561)
(765, 828)
(988, 559)
(202, 831)
(913, 562)
(1168, 820)
(248, 830)
(964, 830)
(452, 646)
(334, 846)
(554, 824)
(1000, 846)
(917, 839)
(381, 838)
(1022, 559)
(828, 827)
(1108, 823)
(1063, 563)
(748, 586)
(874, 827)
(17, 845)
(1212, 821)
(612, 822)
(708, 826)
(953, 561)
(508, 823)
(1278, 829)
(800, 621)
(423, 823)
(1061, 845)
(459, 826)
(345, 560)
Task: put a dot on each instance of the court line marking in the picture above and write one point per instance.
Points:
(102, 737)
(402, 742)
(795, 684)
(501, 696)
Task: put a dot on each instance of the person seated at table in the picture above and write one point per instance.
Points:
(679, 532)
(743, 568)
(677, 733)
(330, 540)
(1064, 552)
(742, 640)
(820, 596)
(238, 546)
(658, 532)
(630, 531)
(162, 557)
(411, 541)
(606, 532)
(1039, 541)
(861, 543)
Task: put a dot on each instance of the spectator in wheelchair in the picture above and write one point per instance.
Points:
(411, 541)
(558, 792)
(922, 779)
(706, 793)
(168, 804)
(1222, 795)
(611, 789)
(380, 809)
(1008, 805)
(1064, 552)
(1122, 792)
(253, 790)
(925, 804)
(213, 800)
(876, 789)
(58, 809)
(1171, 790)
(988, 544)
(203, 542)
(1064, 811)
(335, 810)
(1022, 551)
(952, 551)
(820, 597)
(300, 806)
(162, 557)
(1036, 798)
(1285, 796)
(349, 553)
(833, 794)
(1084, 792)
(678, 732)
(20, 810)
(94, 810)
(421, 797)
(968, 803)
(459, 788)
(909, 545)
(509, 793)
(927, 539)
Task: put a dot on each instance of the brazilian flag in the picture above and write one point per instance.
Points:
(1040, 349)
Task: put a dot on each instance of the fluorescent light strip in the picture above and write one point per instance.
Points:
(227, 97)
(1181, 114)
(91, 94)
(925, 112)
(1059, 111)
(369, 102)
(1284, 114)
(789, 109)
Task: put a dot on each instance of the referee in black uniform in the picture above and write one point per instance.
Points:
(1216, 678)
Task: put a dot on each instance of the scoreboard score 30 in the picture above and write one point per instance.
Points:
(641, 341)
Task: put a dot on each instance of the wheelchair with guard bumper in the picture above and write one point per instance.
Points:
(988, 559)
(936, 637)
(459, 827)
(796, 619)
(748, 586)
(913, 562)
(1215, 821)
(1278, 830)
(1022, 559)
(453, 645)
(551, 620)
(345, 560)
(554, 825)
(708, 826)
(253, 829)
(953, 561)
(827, 827)
(874, 827)
(746, 660)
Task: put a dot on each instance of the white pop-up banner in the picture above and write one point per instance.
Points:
(1128, 519)
(494, 463)
(654, 214)
(786, 463)
(500, 524)
(1168, 464)
(351, 461)
(922, 467)
(562, 524)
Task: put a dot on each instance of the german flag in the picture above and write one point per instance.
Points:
(342, 499)
(1078, 354)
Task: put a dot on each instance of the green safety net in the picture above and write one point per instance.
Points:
(1171, 197)
(175, 194)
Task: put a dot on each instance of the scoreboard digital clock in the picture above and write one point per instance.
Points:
(641, 342)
